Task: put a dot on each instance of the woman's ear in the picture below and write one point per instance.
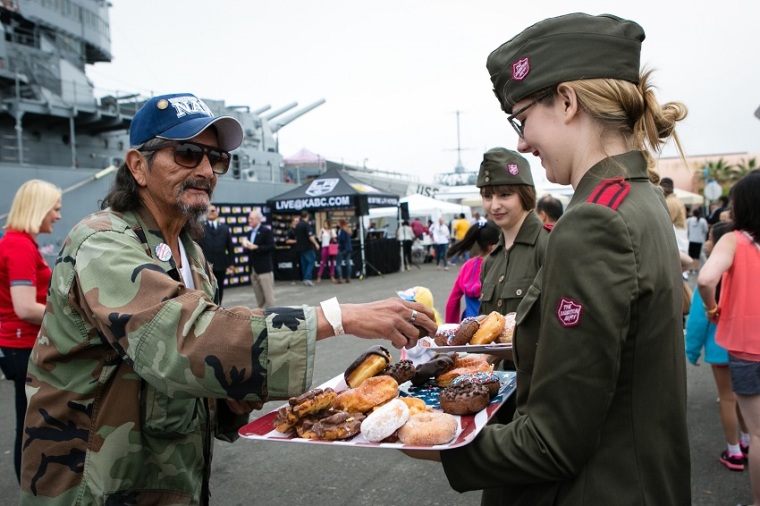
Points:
(569, 100)
(137, 165)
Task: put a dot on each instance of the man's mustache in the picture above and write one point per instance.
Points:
(197, 184)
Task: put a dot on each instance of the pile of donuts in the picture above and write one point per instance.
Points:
(482, 329)
(371, 404)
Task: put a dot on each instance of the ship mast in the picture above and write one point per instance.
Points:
(459, 167)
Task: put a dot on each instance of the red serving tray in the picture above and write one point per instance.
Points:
(469, 425)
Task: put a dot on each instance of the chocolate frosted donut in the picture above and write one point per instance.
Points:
(330, 425)
(489, 379)
(401, 371)
(439, 365)
(465, 332)
(464, 399)
(368, 364)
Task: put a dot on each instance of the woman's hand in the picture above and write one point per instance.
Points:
(433, 455)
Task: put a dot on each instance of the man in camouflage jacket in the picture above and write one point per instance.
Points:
(135, 369)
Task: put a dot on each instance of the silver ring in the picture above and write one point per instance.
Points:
(413, 317)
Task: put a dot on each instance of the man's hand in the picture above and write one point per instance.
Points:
(243, 407)
(399, 321)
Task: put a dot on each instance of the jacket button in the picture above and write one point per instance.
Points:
(499, 303)
(518, 292)
(501, 278)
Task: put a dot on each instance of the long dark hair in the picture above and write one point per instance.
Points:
(479, 237)
(745, 212)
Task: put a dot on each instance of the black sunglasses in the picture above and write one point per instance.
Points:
(516, 123)
(190, 155)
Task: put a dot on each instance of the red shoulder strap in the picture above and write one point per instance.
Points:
(610, 193)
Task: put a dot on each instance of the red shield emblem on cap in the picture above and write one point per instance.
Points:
(520, 69)
(569, 312)
(513, 169)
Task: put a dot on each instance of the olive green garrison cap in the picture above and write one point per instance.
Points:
(566, 48)
(500, 166)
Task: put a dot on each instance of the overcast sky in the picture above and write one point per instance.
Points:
(394, 73)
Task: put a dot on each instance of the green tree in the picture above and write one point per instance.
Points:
(745, 166)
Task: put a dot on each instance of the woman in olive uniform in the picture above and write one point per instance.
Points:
(601, 399)
(509, 197)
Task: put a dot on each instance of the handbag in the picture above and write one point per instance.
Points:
(332, 249)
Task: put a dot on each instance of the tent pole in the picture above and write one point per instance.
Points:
(361, 242)
(400, 242)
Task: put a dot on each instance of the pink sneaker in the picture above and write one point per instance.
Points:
(732, 462)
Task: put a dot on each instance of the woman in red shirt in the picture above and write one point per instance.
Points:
(24, 279)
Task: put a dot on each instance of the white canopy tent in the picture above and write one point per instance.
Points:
(688, 197)
(420, 205)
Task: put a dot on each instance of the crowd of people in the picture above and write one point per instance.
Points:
(132, 359)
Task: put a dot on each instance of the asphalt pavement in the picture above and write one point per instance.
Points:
(251, 472)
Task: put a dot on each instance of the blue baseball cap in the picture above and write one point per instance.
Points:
(180, 117)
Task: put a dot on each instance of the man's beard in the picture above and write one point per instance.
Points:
(195, 212)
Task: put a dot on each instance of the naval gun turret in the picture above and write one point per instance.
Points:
(258, 158)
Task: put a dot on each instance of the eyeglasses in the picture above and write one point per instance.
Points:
(190, 155)
(516, 123)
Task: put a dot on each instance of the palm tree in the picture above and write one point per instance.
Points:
(744, 167)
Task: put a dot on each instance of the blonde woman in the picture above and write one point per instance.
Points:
(598, 347)
(24, 279)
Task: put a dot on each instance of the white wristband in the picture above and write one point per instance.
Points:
(331, 309)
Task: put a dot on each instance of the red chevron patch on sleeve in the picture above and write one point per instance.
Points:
(610, 193)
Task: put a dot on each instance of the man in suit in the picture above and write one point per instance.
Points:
(217, 247)
(260, 245)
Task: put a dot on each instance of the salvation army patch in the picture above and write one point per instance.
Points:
(569, 312)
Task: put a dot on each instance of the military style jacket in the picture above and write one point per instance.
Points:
(129, 370)
(506, 274)
(601, 400)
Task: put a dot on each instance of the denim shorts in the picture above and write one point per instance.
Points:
(745, 376)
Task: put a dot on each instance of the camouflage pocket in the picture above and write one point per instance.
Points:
(168, 417)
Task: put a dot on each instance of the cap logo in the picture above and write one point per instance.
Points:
(513, 169)
(520, 69)
(569, 312)
(189, 105)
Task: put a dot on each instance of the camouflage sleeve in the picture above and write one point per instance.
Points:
(178, 340)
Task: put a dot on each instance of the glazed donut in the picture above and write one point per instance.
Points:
(489, 330)
(509, 329)
(470, 364)
(385, 420)
(465, 333)
(415, 405)
(330, 425)
(400, 371)
(427, 429)
(368, 364)
(464, 398)
(372, 392)
(438, 365)
(309, 402)
(489, 379)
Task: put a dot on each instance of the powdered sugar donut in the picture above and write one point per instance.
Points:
(384, 421)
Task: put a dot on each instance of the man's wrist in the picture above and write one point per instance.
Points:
(333, 315)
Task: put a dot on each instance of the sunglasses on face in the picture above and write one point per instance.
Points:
(519, 125)
(190, 155)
